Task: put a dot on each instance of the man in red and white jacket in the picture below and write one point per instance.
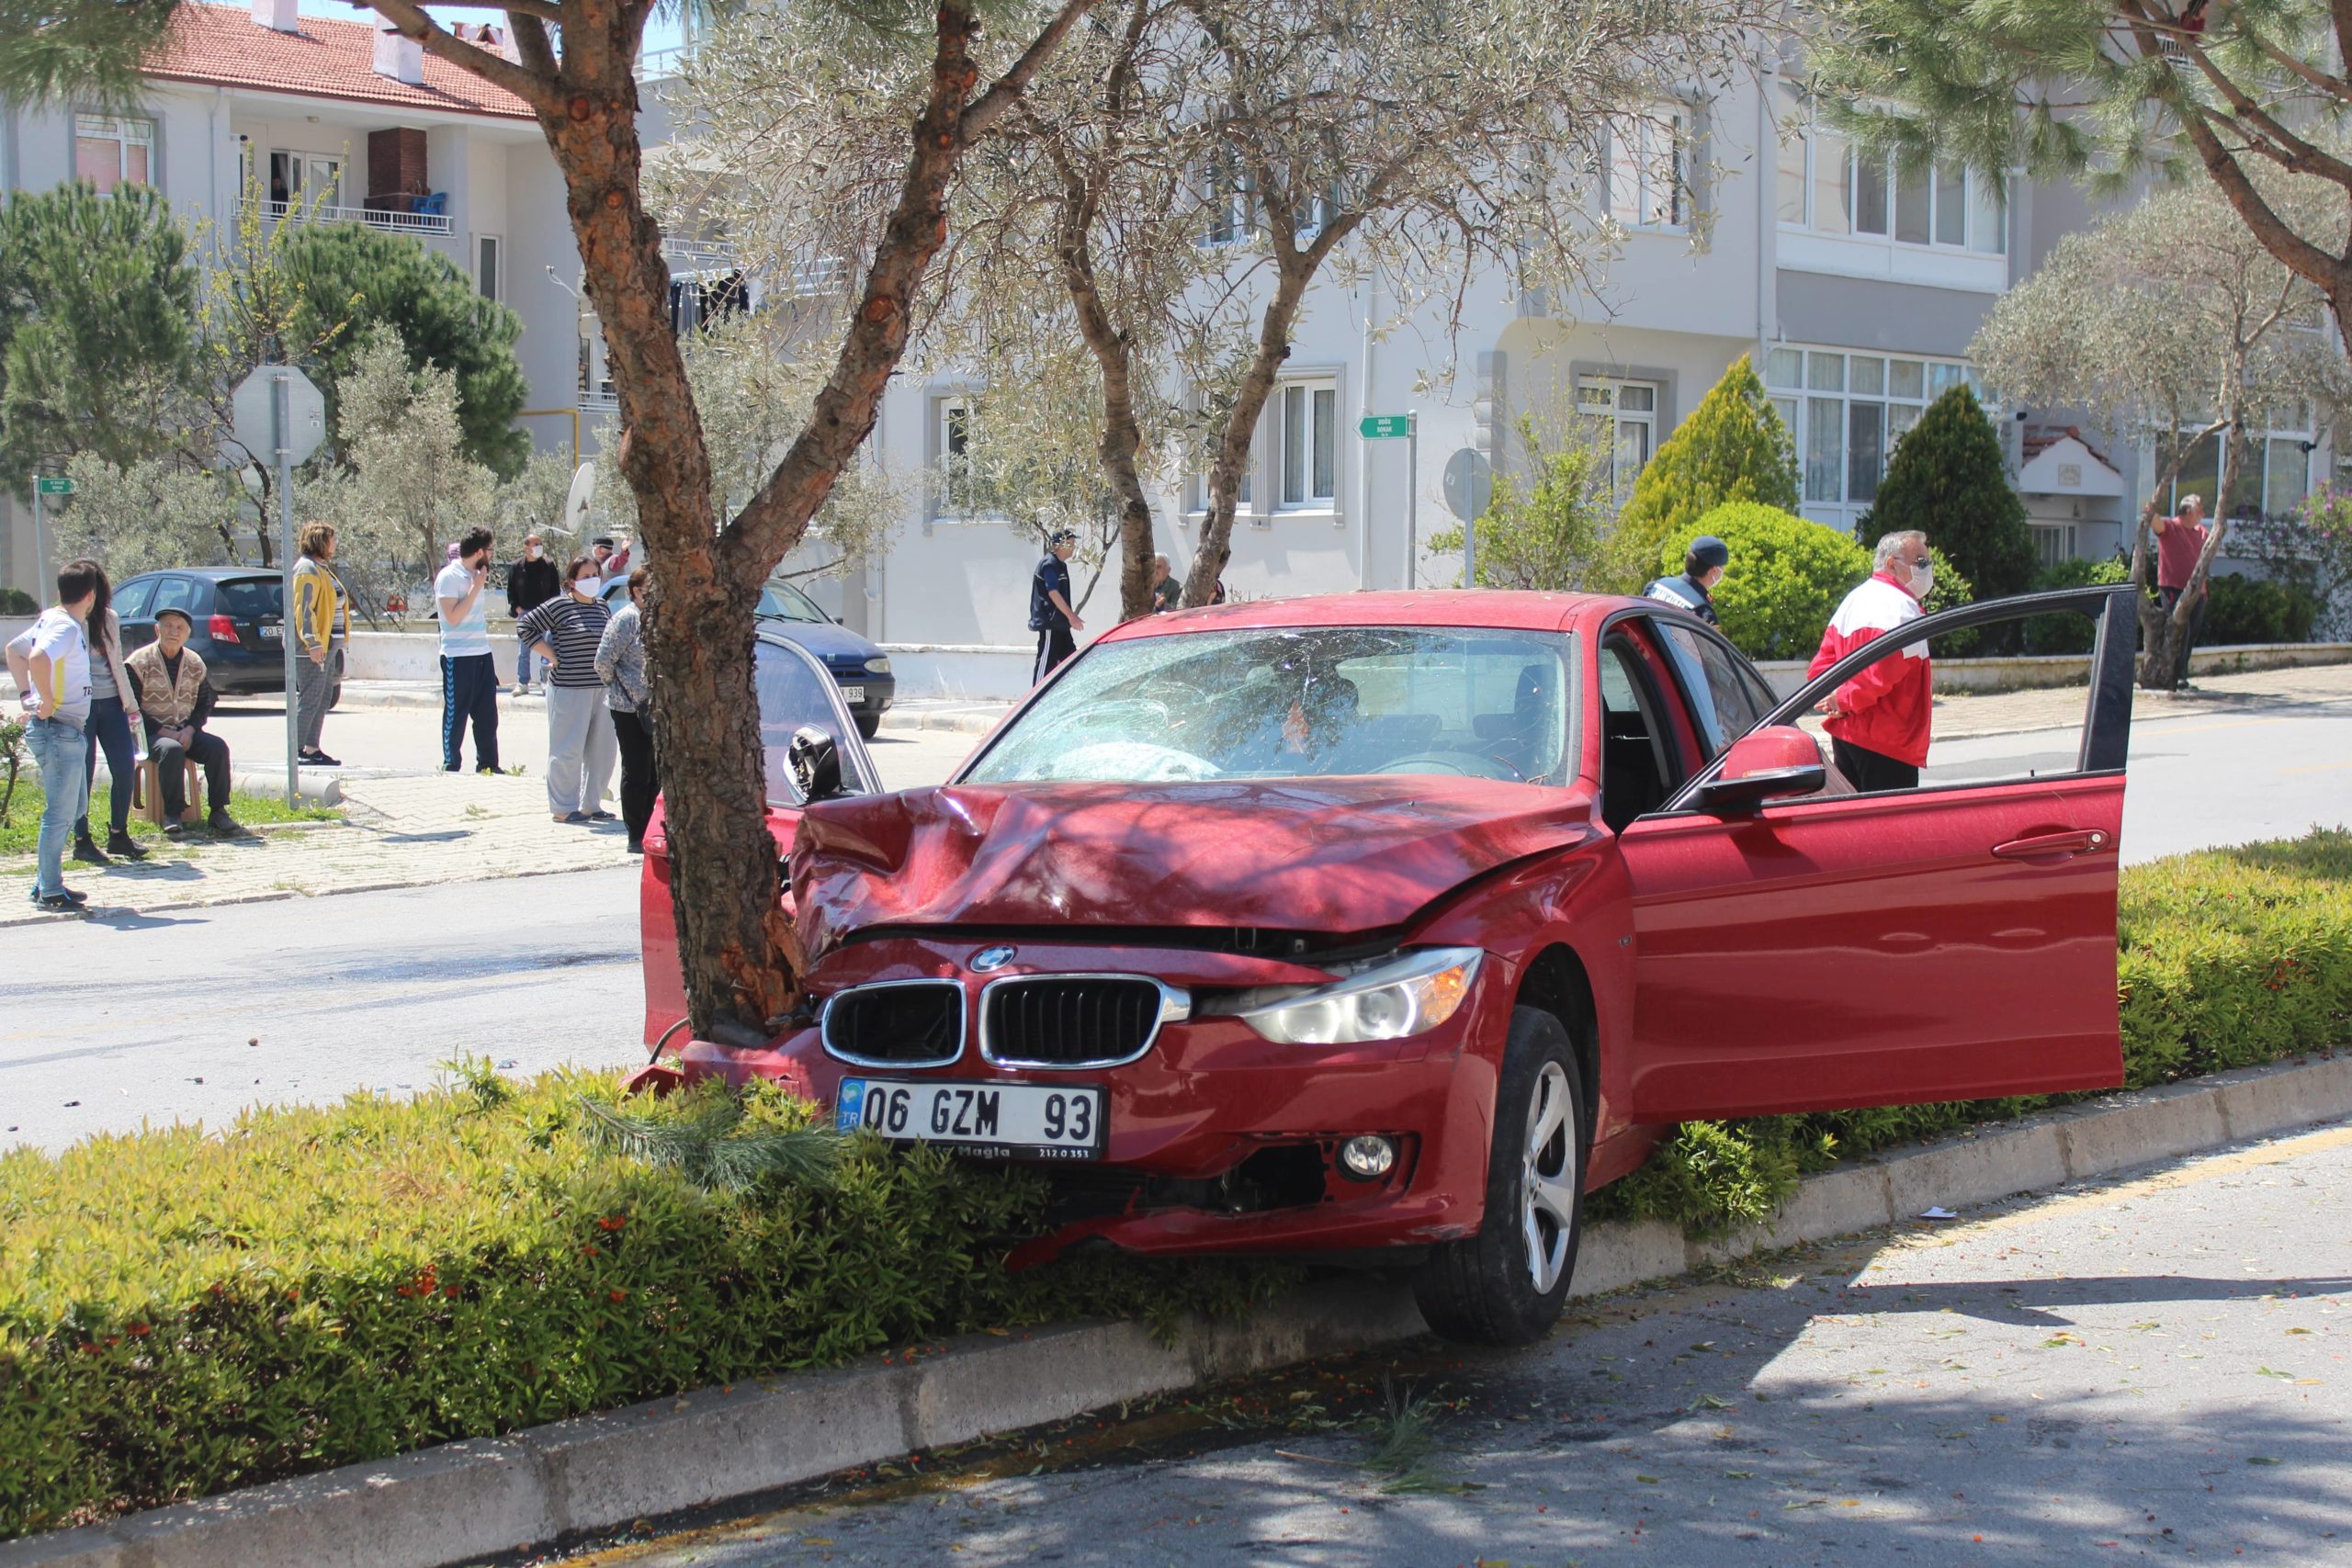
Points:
(1878, 720)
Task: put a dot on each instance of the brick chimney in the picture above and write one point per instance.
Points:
(279, 15)
(398, 56)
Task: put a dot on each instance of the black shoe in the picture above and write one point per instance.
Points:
(175, 829)
(574, 818)
(636, 846)
(121, 843)
(602, 816)
(88, 852)
(222, 823)
(57, 903)
(318, 760)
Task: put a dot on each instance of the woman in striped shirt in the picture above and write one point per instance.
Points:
(580, 748)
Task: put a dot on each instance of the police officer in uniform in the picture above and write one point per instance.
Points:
(1050, 616)
(1702, 568)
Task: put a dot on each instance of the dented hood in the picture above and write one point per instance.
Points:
(1325, 854)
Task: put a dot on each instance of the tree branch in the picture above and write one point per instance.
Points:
(538, 10)
(531, 42)
(984, 111)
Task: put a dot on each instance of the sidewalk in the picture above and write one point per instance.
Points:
(2058, 707)
(401, 831)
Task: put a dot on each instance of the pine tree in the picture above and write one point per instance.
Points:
(1733, 447)
(1946, 479)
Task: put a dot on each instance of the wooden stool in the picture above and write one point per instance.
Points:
(147, 795)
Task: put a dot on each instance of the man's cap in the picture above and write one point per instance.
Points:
(1707, 552)
(1062, 536)
(176, 610)
(606, 541)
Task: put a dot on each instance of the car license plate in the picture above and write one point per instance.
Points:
(998, 1119)
(271, 634)
(853, 693)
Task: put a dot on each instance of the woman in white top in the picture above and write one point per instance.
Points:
(110, 704)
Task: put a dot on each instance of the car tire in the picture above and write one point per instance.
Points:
(335, 698)
(1507, 1284)
(868, 725)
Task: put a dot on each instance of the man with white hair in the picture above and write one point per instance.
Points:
(1878, 720)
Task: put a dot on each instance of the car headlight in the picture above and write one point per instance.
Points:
(1413, 993)
(877, 665)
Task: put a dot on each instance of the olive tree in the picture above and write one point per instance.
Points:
(2184, 329)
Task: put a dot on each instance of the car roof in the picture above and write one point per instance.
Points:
(208, 573)
(1505, 609)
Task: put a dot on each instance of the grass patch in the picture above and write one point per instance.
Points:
(2226, 958)
(20, 835)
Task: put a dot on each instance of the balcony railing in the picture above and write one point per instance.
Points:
(374, 217)
(600, 402)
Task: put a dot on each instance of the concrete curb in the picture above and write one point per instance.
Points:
(962, 723)
(479, 1497)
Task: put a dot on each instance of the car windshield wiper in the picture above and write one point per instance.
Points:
(780, 615)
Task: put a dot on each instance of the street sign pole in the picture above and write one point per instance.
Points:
(1470, 552)
(40, 552)
(1413, 498)
(282, 429)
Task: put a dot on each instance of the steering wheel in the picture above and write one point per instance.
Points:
(1455, 764)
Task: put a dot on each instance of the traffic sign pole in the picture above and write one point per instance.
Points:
(1413, 498)
(1470, 551)
(282, 433)
(40, 552)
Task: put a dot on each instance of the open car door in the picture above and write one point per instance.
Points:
(796, 692)
(1799, 947)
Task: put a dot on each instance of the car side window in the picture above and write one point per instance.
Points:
(130, 604)
(1638, 770)
(173, 593)
(1722, 698)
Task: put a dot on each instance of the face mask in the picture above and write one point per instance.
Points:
(1923, 579)
(584, 586)
(534, 551)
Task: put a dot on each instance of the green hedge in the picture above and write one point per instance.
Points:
(181, 1314)
(2226, 959)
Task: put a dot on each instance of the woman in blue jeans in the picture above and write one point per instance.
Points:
(50, 663)
(110, 728)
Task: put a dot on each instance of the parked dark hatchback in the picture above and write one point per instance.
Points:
(236, 616)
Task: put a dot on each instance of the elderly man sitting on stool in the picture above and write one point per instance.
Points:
(176, 699)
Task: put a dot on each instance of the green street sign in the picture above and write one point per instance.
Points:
(54, 484)
(1385, 426)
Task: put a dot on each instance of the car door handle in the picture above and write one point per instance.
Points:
(2053, 846)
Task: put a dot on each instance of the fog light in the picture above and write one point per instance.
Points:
(1367, 1159)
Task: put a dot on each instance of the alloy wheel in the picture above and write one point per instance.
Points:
(1548, 1179)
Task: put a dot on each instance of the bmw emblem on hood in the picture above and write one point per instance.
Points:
(988, 960)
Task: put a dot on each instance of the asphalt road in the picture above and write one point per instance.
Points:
(2154, 1371)
(113, 1022)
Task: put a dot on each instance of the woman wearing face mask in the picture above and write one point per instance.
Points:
(565, 632)
(109, 730)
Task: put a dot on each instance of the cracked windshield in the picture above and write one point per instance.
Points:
(1301, 703)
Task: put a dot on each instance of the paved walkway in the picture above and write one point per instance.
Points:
(2011, 713)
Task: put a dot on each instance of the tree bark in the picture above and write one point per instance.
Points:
(1233, 448)
(1122, 434)
(2159, 631)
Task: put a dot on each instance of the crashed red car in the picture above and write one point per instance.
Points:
(1393, 924)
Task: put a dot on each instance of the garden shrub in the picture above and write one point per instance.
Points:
(182, 1314)
(2069, 633)
(2226, 958)
(2253, 609)
(1733, 447)
(1785, 578)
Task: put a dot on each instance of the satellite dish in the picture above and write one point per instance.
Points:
(576, 503)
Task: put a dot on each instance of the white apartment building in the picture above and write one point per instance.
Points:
(1854, 290)
(340, 122)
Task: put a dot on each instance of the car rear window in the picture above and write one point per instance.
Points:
(251, 598)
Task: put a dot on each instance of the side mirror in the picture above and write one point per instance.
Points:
(816, 762)
(1777, 763)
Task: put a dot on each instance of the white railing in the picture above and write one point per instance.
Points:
(600, 402)
(656, 64)
(391, 223)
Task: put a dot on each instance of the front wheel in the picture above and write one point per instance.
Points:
(866, 724)
(1507, 1284)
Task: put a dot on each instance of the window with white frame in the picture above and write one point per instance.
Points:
(952, 444)
(486, 264)
(1627, 411)
(1847, 410)
(2274, 480)
(2052, 542)
(1225, 199)
(304, 179)
(1827, 187)
(1307, 416)
(111, 150)
(1649, 170)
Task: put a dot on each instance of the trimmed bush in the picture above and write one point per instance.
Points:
(1733, 447)
(2070, 634)
(2227, 958)
(1785, 578)
(182, 1314)
(2253, 609)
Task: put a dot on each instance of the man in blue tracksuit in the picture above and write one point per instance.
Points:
(1050, 616)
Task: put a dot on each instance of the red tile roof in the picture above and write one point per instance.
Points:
(223, 45)
(2039, 438)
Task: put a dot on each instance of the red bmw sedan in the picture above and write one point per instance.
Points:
(1393, 924)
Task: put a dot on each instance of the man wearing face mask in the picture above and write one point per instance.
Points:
(581, 744)
(1702, 568)
(1878, 720)
(530, 583)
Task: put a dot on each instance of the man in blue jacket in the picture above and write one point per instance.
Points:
(1050, 616)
